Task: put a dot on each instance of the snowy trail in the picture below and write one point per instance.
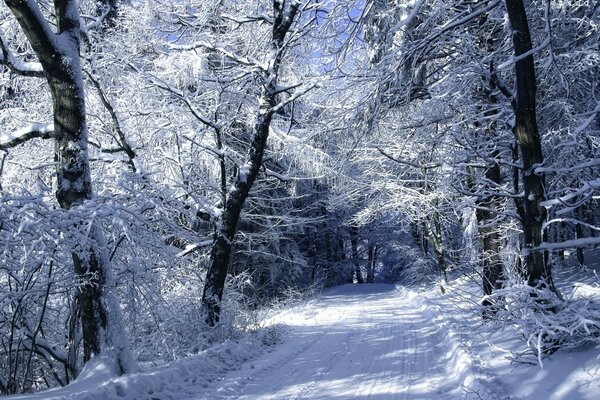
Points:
(356, 341)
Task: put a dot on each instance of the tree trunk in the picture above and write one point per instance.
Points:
(560, 237)
(102, 328)
(220, 256)
(579, 235)
(354, 246)
(372, 263)
(347, 272)
(526, 133)
(490, 239)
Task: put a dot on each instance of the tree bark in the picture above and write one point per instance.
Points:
(579, 235)
(527, 135)
(490, 239)
(372, 263)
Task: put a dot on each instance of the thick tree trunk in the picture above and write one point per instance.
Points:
(347, 272)
(220, 256)
(488, 204)
(490, 239)
(526, 133)
(579, 235)
(560, 237)
(100, 314)
(102, 329)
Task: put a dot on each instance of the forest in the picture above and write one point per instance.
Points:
(171, 171)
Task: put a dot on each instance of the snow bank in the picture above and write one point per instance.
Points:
(492, 361)
(174, 381)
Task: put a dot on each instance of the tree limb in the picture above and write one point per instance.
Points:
(38, 32)
(17, 66)
(40, 131)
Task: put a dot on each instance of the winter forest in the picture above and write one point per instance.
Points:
(317, 199)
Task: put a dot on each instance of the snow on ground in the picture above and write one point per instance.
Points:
(362, 342)
(568, 374)
(175, 381)
(572, 374)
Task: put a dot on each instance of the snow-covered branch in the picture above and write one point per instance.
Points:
(95, 22)
(39, 131)
(17, 66)
(413, 13)
(406, 162)
(514, 59)
(273, 174)
(242, 60)
(193, 247)
(459, 21)
(293, 97)
(568, 244)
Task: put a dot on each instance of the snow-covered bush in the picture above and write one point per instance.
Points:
(545, 321)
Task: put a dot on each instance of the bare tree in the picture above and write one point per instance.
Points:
(220, 255)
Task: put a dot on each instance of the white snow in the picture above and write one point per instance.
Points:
(357, 341)
(371, 341)
(23, 134)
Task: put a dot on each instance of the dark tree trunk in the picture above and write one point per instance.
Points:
(220, 256)
(579, 235)
(526, 133)
(489, 204)
(355, 257)
(346, 275)
(561, 238)
(490, 239)
(372, 263)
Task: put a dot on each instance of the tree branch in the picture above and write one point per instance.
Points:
(232, 56)
(293, 97)
(38, 32)
(17, 66)
(406, 162)
(40, 131)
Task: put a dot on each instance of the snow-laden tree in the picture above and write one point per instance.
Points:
(56, 46)
(229, 90)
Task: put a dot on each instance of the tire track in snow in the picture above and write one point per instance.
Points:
(235, 387)
(363, 342)
(331, 362)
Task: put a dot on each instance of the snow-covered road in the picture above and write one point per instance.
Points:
(377, 342)
(356, 341)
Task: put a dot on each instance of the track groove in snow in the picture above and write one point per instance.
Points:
(357, 341)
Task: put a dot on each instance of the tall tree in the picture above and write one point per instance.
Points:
(529, 206)
(284, 14)
(58, 54)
